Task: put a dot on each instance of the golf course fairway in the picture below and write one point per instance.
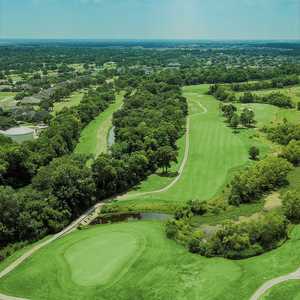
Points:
(93, 138)
(134, 260)
(214, 150)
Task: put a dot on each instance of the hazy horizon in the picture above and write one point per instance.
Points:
(150, 19)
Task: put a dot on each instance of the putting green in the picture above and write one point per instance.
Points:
(141, 264)
(103, 260)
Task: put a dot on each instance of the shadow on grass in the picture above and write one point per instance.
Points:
(168, 175)
(160, 174)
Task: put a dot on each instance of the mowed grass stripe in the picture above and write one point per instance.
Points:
(214, 151)
(93, 138)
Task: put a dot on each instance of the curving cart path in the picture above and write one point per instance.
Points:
(271, 283)
(34, 249)
(86, 217)
(183, 163)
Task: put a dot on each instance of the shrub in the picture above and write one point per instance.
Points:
(292, 152)
(266, 175)
(291, 206)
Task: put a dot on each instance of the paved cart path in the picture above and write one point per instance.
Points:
(271, 283)
(87, 216)
(183, 163)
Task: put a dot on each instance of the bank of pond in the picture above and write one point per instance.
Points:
(133, 216)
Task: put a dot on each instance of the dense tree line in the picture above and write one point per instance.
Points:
(266, 175)
(244, 239)
(225, 94)
(19, 163)
(292, 152)
(279, 82)
(275, 98)
(146, 128)
(59, 192)
(62, 186)
(283, 133)
(230, 239)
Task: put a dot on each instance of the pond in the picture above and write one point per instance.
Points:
(121, 217)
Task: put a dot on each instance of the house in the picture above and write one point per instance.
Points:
(19, 134)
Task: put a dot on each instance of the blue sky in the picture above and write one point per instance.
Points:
(136, 19)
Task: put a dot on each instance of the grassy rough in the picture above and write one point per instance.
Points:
(86, 265)
(288, 290)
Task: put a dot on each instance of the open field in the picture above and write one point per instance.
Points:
(71, 101)
(90, 264)
(93, 139)
(214, 152)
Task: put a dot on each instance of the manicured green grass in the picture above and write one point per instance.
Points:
(288, 290)
(5, 263)
(102, 250)
(93, 139)
(134, 260)
(71, 101)
(214, 151)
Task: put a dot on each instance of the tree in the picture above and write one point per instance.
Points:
(247, 98)
(228, 110)
(234, 121)
(254, 153)
(298, 105)
(291, 206)
(70, 181)
(267, 174)
(9, 213)
(292, 152)
(247, 117)
(166, 155)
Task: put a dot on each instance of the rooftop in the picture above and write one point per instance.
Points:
(18, 131)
